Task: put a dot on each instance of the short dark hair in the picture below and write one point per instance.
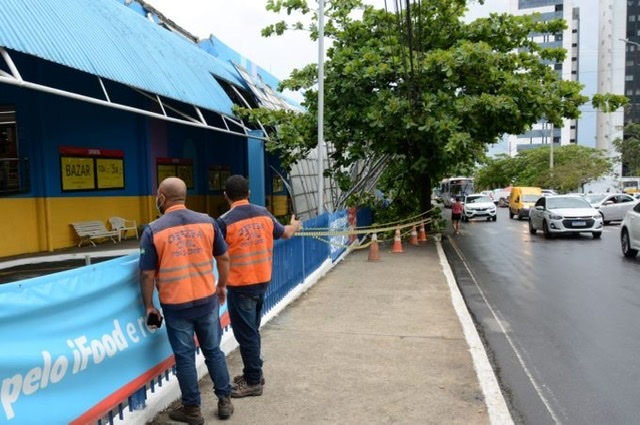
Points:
(237, 187)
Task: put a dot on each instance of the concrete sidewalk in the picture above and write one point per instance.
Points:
(371, 343)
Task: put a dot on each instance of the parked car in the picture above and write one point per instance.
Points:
(547, 192)
(612, 206)
(556, 214)
(478, 205)
(521, 200)
(630, 232)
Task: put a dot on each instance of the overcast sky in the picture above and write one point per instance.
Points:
(238, 23)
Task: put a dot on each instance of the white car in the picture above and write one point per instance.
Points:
(630, 232)
(478, 205)
(501, 196)
(612, 206)
(489, 193)
(556, 214)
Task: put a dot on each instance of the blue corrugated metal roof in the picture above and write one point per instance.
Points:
(104, 38)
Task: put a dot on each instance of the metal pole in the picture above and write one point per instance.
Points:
(550, 149)
(320, 106)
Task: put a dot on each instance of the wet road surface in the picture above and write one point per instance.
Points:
(560, 319)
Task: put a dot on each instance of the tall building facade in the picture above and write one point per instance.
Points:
(544, 133)
(619, 66)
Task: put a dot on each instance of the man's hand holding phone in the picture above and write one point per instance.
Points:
(154, 319)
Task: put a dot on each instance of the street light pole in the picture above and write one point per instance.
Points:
(550, 148)
(320, 106)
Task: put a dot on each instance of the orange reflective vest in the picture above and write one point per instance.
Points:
(249, 235)
(185, 258)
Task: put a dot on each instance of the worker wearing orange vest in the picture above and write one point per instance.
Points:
(176, 257)
(249, 231)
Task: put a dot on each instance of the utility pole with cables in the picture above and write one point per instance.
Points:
(320, 106)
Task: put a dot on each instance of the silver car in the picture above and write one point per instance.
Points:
(556, 214)
(630, 232)
(612, 206)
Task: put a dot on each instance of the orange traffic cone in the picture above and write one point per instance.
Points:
(422, 235)
(374, 251)
(414, 236)
(397, 242)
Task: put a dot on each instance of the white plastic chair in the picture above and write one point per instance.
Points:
(123, 226)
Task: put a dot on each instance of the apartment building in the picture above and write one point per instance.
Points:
(619, 70)
(544, 133)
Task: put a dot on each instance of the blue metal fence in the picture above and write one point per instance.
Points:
(293, 261)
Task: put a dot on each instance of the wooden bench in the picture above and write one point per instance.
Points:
(93, 230)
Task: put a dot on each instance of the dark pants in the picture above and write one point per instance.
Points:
(245, 312)
(207, 329)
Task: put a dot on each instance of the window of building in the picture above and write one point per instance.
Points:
(14, 171)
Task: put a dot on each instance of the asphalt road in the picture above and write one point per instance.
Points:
(559, 318)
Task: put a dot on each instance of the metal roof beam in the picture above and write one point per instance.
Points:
(10, 64)
(12, 80)
(104, 90)
(248, 106)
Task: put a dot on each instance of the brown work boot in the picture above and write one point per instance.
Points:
(243, 389)
(237, 379)
(225, 408)
(188, 414)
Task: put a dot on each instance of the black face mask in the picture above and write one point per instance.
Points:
(159, 206)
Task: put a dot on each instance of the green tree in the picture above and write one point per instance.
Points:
(629, 148)
(574, 166)
(497, 172)
(422, 88)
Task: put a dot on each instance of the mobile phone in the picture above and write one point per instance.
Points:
(154, 320)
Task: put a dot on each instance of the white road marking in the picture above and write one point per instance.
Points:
(491, 379)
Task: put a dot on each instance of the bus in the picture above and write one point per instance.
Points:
(455, 186)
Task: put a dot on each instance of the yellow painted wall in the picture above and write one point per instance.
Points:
(216, 205)
(32, 225)
(43, 224)
(21, 228)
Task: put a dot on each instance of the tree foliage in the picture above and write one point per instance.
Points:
(421, 86)
(573, 166)
(497, 172)
(629, 148)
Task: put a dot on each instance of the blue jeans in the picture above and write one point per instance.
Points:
(207, 329)
(245, 312)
